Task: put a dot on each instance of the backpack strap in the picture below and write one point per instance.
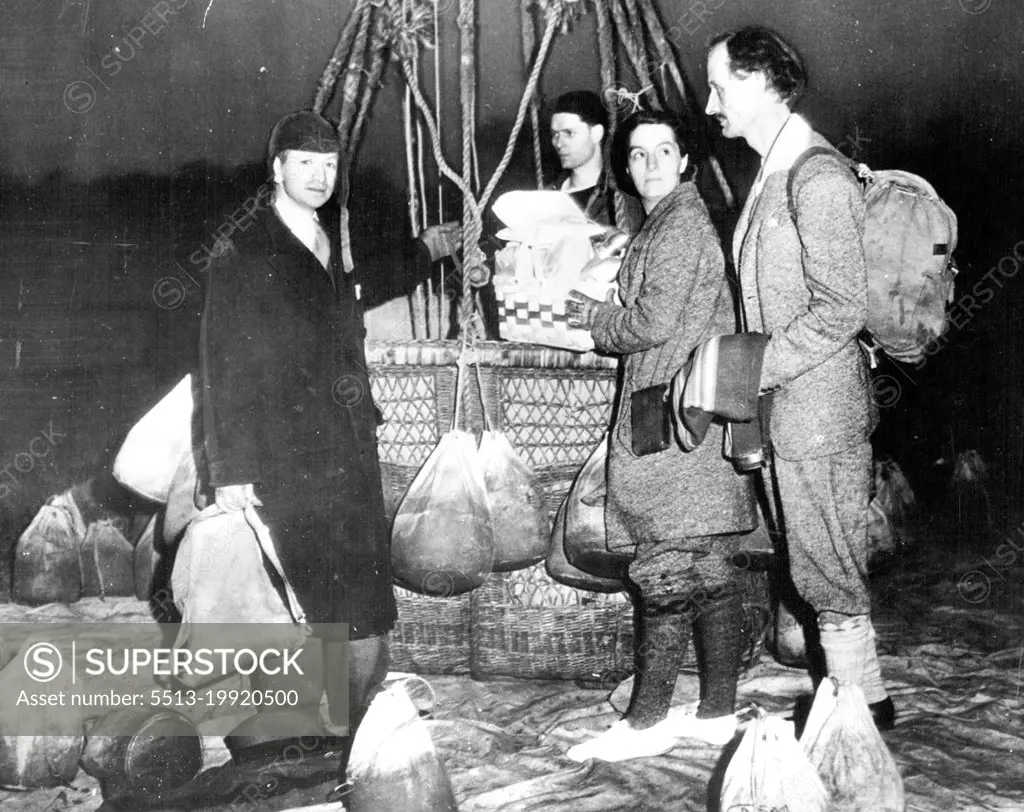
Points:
(867, 342)
(803, 158)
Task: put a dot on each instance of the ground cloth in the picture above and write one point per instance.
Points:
(958, 739)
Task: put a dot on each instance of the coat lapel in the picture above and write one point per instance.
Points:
(297, 267)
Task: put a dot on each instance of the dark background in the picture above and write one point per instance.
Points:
(111, 181)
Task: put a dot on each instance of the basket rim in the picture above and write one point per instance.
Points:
(501, 354)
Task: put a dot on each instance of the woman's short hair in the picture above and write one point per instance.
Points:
(684, 137)
(756, 48)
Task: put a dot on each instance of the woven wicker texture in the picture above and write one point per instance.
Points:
(526, 625)
(431, 635)
(555, 407)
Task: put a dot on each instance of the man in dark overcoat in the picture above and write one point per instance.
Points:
(288, 417)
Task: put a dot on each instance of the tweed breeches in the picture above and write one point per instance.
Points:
(823, 507)
(691, 569)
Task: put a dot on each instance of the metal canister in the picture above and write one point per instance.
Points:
(153, 751)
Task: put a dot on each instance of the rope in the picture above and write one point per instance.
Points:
(440, 186)
(619, 205)
(488, 425)
(606, 49)
(460, 379)
(472, 225)
(410, 175)
(435, 137)
(99, 568)
(668, 62)
(415, 298)
(373, 81)
(538, 156)
(329, 78)
(421, 176)
(529, 42)
(629, 42)
(474, 270)
(407, 131)
(353, 75)
(655, 67)
(531, 86)
(437, 100)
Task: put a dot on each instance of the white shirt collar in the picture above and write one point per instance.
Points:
(302, 222)
(792, 142)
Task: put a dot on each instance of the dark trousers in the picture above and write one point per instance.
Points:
(368, 663)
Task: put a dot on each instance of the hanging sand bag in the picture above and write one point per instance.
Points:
(393, 765)
(559, 568)
(586, 537)
(442, 540)
(107, 558)
(770, 772)
(30, 762)
(185, 499)
(145, 560)
(785, 638)
(220, 576)
(155, 446)
(849, 754)
(515, 496)
(46, 566)
(48, 757)
(153, 751)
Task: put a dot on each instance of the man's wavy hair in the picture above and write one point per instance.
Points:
(756, 48)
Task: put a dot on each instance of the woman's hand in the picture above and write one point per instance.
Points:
(580, 309)
(612, 243)
(236, 497)
(600, 270)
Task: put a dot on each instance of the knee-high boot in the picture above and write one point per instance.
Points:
(719, 640)
(664, 634)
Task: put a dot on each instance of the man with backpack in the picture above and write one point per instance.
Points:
(803, 283)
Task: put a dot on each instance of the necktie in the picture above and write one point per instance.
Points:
(321, 246)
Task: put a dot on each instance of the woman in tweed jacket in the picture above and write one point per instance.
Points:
(680, 512)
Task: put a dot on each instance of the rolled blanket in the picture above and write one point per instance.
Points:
(721, 379)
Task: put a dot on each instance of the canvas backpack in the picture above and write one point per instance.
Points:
(909, 238)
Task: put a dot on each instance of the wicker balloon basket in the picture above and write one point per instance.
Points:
(555, 407)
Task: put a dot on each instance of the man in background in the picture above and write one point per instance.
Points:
(579, 126)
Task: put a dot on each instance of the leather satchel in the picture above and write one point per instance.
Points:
(650, 420)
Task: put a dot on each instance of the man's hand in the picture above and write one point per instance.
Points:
(580, 309)
(236, 497)
(443, 240)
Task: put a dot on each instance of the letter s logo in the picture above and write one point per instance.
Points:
(43, 662)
